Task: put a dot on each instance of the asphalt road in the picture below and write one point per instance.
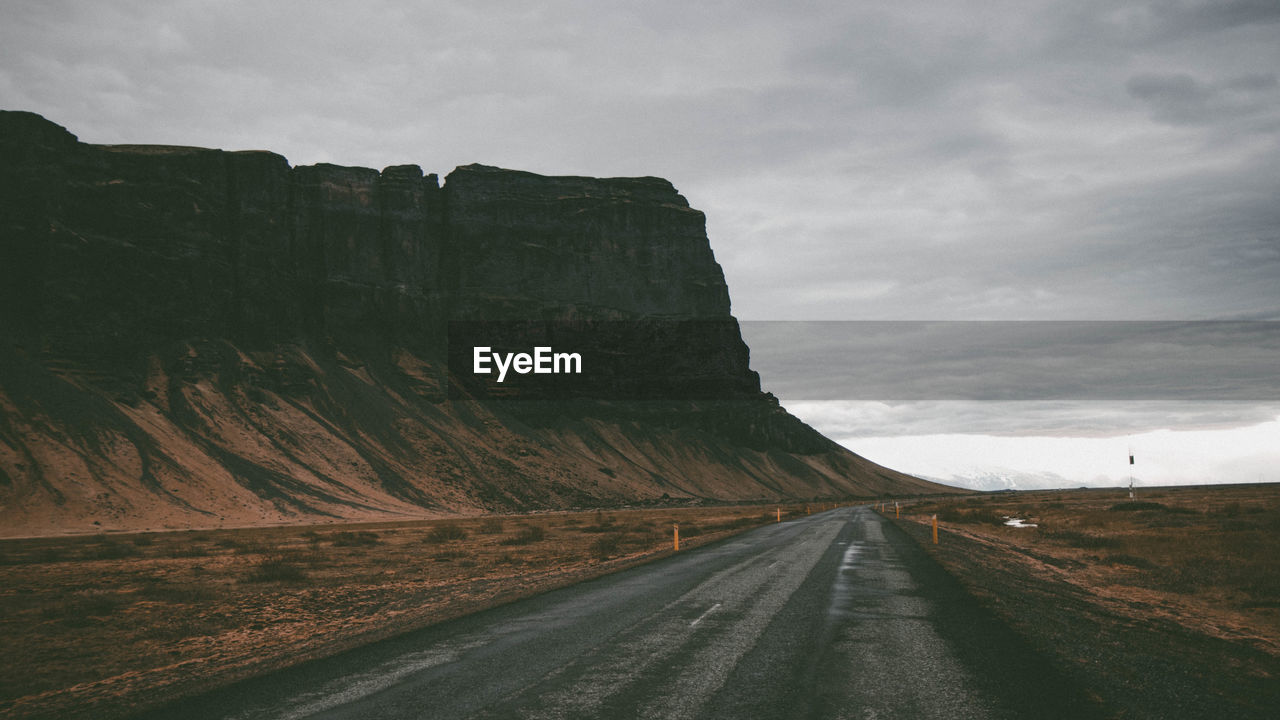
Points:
(835, 615)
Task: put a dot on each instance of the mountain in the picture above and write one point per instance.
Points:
(999, 478)
(199, 338)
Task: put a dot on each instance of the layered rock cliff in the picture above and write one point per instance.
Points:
(194, 337)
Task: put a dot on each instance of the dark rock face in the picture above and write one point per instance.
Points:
(143, 244)
(523, 246)
(161, 295)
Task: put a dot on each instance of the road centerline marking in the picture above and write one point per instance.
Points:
(704, 615)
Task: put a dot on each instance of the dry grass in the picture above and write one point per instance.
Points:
(1212, 547)
(1164, 606)
(97, 626)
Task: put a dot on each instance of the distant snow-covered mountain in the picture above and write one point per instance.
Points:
(997, 478)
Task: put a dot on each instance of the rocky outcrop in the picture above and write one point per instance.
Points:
(128, 246)
(195, 336)
(524, 246)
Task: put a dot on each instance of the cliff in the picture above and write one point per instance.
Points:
(195, 337)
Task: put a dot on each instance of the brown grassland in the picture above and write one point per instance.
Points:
(102, 626)
(1164, 606)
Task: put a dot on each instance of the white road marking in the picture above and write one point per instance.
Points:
(704, 615)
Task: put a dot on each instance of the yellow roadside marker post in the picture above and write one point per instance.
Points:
(935, 529)
(897, 512)
(676, 536)
(779, 514)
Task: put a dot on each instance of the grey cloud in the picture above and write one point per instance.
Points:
(1099, 418)
(1107, 28)
(1181, 99)
(1214, 15)
(1006, 361)
(1180, 96)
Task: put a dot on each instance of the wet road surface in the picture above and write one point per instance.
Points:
(835, 615)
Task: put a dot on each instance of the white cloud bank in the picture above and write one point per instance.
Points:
(1208, 445)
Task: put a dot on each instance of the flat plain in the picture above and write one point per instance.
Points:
(1166, 605)
(102, 625)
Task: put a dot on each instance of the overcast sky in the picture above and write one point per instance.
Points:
(1024, 160)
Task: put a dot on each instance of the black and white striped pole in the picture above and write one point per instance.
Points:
(1131, 473)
